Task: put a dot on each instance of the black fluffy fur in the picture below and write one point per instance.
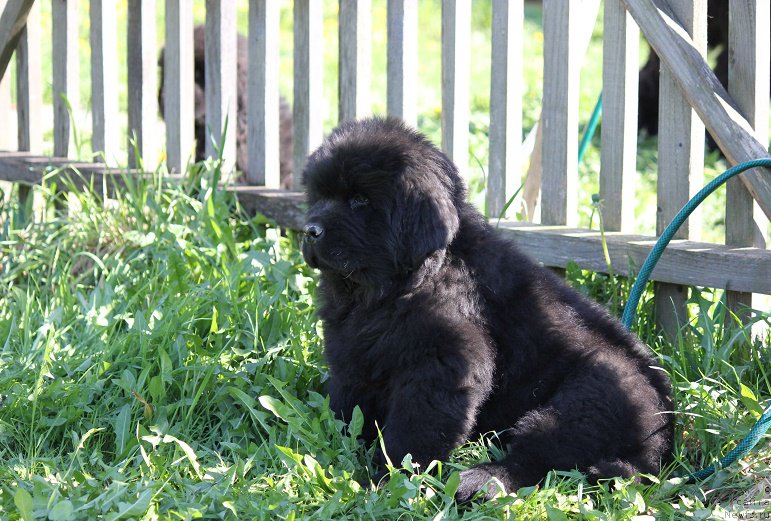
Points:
(242, 72)
(441, 331)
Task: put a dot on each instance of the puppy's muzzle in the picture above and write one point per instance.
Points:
(313, 231)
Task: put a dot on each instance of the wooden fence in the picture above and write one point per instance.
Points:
(691, 98)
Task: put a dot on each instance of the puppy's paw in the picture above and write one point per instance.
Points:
(479, 479)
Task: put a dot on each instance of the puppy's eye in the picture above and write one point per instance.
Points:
(357, 201)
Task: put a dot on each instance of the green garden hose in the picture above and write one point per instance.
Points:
(590, 129)
(630, 310)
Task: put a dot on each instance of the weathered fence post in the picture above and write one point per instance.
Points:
(29, 83)
(506, 90)
(29, 98)
(142, 82)
(178, 83)
(620, 48)
(748, 84)
(104, 78)
(66, 67)
(561, 64)
(402, 59)
(221, 94)
(456, 71)
(6, 141)
(264, 22)
(355, 50)
(680, 165)
(308, 61)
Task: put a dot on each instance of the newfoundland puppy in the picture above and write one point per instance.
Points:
(441, 331)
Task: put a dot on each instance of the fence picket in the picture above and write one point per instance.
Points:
(220, 72)
(142, 81)
(560, 112)
(748, 84)
(354, 78)
(178, 83)
(402, 73)
(6, 142)
(681, 163)
(621, 45)
(506, 89)
(64, 14)
(308, 61)
(263, 94)
(29, 84)
(456, 65)
(104, 77)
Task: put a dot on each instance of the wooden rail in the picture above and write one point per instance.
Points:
(691, 98)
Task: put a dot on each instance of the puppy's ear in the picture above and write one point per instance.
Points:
(426, 222)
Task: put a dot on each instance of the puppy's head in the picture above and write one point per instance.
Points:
(381, 199)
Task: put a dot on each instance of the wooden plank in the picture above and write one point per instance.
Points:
(178, 84)
(621, 46)
(561, 65)
(355, 51)
(748, 84)
(221, 100)
(66, 65)
(402, 68)
(13, 17)
(29, 84)
(104, 78)
(308, 67)
(684, 262)
(506, 90)
(715, 106)
(456, 72)
(681, 164)
(284, 207)
(264, 23)
(31, 169)
(142, 83)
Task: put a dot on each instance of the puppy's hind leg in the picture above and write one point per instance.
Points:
(593, 423)
(523, 466)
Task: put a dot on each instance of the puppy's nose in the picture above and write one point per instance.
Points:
(313, 231)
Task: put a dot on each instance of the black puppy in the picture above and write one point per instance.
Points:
(202, 134)
(440, 330)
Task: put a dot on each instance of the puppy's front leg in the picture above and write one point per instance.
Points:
(430, 413)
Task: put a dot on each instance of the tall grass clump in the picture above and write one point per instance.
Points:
(160, 359)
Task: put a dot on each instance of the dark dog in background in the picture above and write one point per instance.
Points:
(717, 36)
(201, 134)
(441, 331)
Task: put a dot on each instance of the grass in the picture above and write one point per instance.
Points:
(160, 359)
